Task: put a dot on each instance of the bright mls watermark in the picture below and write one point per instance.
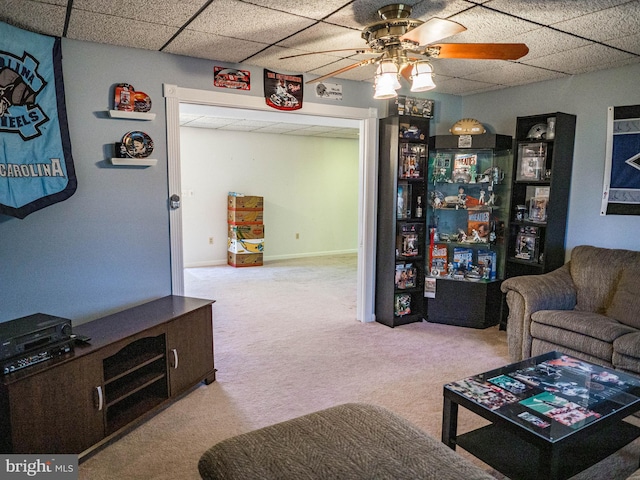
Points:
(52, 467)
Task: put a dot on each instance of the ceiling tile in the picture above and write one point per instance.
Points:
(213, 47)
(359, 13)
(618, 62)
(547, 12)
(252, 123)
(460, 86)
(188, 117)
(488, 26)
(96, 27)
(237, 128)
(231, 18)
(462, 67)
(322, 36)
(301, 132)
(616, 22)
(628, 44)
(513, 74)
(270, 58)
(584, 59)
(546, 41)
(276, 128)
(21, 13)
(161, 12)
(316, 9)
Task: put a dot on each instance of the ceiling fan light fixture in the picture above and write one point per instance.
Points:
(387, 75)
(422, 77)
(384, 90)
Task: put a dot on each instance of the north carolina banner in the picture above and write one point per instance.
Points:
(281, 91)
(36, 167)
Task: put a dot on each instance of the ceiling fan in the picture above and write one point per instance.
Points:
(402, 45)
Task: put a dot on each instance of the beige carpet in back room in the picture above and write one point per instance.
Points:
(287, 343)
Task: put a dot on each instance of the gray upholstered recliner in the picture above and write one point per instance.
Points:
(590, 308)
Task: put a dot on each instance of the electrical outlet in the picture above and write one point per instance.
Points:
(210, 240)
(297, 236)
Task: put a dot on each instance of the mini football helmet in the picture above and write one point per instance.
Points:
(538, 131)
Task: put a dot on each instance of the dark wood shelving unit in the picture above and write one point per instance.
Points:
(134, 366)
(542, 238)
(545, 238)
(135, 355)
(130, 410)
(117, 391)
(554, 177)
(402, 232)
(79, 402)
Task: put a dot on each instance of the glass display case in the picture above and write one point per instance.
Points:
(468, 200)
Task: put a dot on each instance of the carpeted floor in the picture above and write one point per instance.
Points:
(286, 344)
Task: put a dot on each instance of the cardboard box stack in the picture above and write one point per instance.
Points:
(245, 243)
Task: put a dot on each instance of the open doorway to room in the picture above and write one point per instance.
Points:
(307, 172)
(344, 117)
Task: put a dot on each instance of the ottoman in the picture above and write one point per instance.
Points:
(349, 441)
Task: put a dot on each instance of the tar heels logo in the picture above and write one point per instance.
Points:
(20, 84)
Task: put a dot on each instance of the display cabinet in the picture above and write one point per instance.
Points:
(138, 360)
(540, 194)
(401, 236)
(469, 191)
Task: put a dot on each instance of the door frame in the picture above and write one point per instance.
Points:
(367, 188)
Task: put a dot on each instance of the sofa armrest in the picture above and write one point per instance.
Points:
(526, 295)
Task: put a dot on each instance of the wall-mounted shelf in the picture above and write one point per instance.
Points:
(134, 162)
(132, 115)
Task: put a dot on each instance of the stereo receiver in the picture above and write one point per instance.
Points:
(32, 339)
(38, 355)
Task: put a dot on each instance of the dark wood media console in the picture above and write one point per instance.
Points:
(138, 361)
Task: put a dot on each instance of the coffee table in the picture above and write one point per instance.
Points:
(551, 416)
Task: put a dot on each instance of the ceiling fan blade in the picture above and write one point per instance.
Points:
(356, 51)
(406, 72)
(482, 51)
(344, 69)
(433, 30)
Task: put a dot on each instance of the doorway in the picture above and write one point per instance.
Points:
(367, 189)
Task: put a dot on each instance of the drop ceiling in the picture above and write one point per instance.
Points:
(279, 123)
(565, 37)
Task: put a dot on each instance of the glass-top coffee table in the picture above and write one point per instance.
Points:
(551, 416)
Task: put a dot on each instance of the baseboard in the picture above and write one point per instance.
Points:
(311, 254)
(267, 258)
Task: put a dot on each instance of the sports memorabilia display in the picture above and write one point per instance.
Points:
(137, 144)
(283, 92)
(467, 126)
(127, 99)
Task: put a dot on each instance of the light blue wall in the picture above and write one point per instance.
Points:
(586, 96)
(107, 247)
